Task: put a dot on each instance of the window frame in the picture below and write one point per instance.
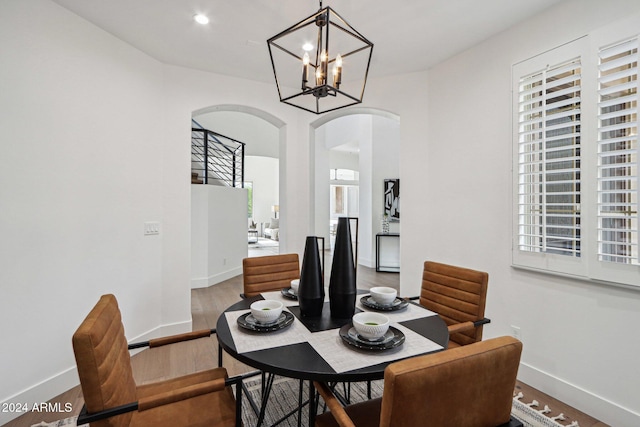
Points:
(588, 267)
(543, 261)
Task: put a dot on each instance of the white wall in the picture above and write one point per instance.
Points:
(95, 140)
(261, 137)
(386, 160)
(579, 339)
(83, 164)
(343, 160)
(218, 233)
(263, 172)
(386, 165)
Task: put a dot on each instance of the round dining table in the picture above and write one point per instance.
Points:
(300, 360)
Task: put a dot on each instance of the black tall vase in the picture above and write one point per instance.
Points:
(342, 285)
(311, 289)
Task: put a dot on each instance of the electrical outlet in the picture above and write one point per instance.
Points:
(516, 332)
(224, 261)
(151, 228)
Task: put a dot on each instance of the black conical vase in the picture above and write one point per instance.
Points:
(342, 285)
(311, 289)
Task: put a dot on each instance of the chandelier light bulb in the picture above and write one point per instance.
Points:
(337, 72)
(201, 19)
(324, 65)
(305, 70)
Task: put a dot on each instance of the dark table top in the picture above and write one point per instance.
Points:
(301, 360)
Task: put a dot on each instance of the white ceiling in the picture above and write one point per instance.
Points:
(409, 35)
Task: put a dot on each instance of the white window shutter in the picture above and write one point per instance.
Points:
(549, 144)
(618, 153)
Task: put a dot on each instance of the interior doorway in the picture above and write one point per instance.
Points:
(366, 145)
(344, 200)
(224, 222)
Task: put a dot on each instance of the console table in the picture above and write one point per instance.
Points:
(382, 268)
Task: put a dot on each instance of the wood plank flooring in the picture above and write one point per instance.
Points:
(206, 306)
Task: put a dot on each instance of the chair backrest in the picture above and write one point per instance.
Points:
(470, 386)
(269, 273)
(457, 294)
(104, 364)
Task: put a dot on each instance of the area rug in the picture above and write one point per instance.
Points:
(66, 422)
(531, 416)
(284, 398)
(264, 243)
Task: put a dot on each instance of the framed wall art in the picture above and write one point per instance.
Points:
(392, 199)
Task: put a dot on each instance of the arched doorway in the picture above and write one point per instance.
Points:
(262, 134)
(376, 134)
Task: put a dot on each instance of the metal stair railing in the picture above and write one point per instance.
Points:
(217, 159)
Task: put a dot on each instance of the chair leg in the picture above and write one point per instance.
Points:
(239, 387)
(313, 404)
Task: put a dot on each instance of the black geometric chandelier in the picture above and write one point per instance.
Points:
(321, 63)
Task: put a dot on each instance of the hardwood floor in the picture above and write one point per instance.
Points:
(206, 306)
(263, 247)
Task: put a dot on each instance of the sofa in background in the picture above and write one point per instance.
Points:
(272, 229)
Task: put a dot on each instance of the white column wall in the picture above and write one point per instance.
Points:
(321, 164)
(218, 233)
(386, 164)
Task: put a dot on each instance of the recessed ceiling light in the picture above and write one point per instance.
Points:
(201, 19)
(307, 47)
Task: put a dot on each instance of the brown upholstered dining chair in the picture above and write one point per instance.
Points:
(459, 296)
(470, 386)
(112, 397)
(265, 274)
(269, 273)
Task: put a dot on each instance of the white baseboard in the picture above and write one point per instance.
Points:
(583, 400)
(67, 379)
(39, 393)
(366, 262)
(205, 282)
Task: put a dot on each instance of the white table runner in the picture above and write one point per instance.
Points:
(342, 357)
(277, 295)
(411, 312)
(246, 341)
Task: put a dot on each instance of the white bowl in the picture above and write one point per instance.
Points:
(383, 295)
(266, 311)
(294, 286)
(370, 325)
